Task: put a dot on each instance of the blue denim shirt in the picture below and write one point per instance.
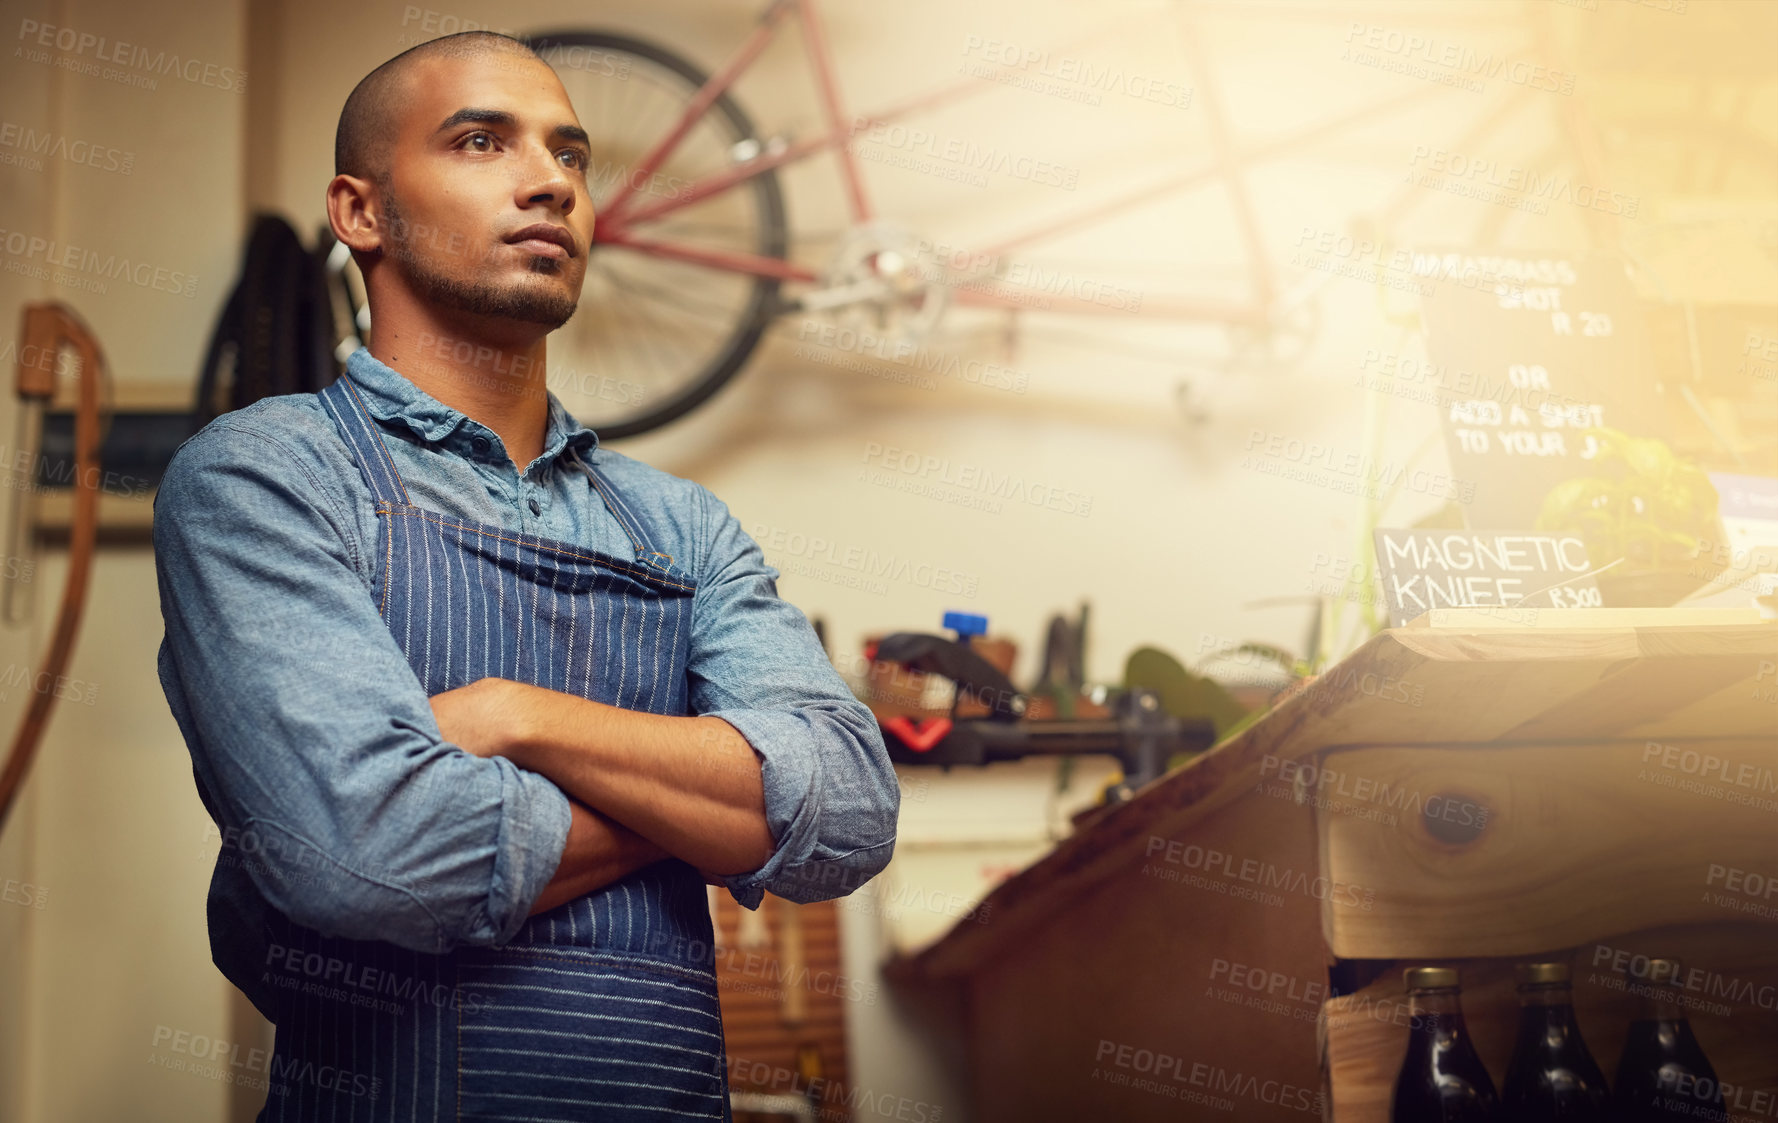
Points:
(313, 744)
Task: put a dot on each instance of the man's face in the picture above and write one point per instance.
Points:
(488, 151)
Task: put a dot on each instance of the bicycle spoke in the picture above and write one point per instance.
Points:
(674, 328)
(670, 297)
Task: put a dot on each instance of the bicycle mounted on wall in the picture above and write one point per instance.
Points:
(691, 262)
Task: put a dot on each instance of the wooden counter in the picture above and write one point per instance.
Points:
(1582, 786)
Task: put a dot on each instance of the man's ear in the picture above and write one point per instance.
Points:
(355, 211)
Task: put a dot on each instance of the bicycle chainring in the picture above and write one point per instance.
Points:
(884, 280)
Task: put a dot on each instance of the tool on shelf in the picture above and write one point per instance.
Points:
(990, 719)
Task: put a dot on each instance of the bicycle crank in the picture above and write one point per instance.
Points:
(885, 280)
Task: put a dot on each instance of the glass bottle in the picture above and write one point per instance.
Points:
(1442, 1079)
(1663, 1074)
(1553, 1076)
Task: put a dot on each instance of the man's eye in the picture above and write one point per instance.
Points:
(473, 138)
(576, 158)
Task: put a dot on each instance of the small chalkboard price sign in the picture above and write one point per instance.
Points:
(1551, 346)
(1426, 569)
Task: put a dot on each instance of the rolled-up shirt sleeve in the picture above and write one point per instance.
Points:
(831, 796)
(308, 729)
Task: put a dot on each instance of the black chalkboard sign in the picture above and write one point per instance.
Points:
(1536, 349)
(1426, 569)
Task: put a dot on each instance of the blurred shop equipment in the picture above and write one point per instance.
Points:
(48, 329)
(951, 701)
(275, 334)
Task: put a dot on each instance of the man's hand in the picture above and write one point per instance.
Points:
(485, 717)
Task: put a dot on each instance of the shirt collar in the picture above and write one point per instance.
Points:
(390, 396)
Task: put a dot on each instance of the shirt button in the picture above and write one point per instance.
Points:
(535, 509)
(480, 444)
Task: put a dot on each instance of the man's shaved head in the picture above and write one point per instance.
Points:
(461, 188)
(367, 121)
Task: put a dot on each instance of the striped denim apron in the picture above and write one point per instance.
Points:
(604, 1008)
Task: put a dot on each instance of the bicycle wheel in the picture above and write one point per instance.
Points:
(653, 337)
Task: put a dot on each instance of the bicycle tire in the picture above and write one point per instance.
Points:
(763, 306)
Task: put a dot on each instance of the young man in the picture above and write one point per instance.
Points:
(479, 706)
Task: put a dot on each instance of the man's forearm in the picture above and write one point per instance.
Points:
(691, 785)
(598, 852)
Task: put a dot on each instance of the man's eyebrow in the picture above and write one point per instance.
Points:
(479, 117)
(500, 117)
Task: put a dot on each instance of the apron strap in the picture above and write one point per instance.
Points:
(340, 398)
(629, 520)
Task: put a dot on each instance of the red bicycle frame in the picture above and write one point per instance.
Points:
(621, 217)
